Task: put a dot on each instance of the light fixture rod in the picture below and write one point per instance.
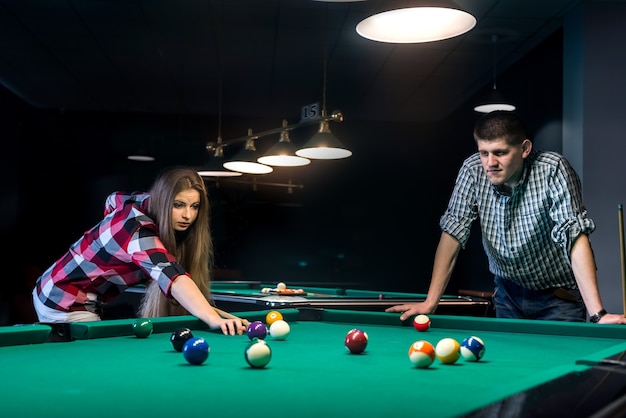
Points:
(335, 117)
(260, 183)
(494, 39)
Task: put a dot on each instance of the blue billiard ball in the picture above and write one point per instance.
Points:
(472, 348)
(257, 329)
(196, 350)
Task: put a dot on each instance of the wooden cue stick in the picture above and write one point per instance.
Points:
(620, 214)
(225, 314)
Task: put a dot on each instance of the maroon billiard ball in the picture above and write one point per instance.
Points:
(356, 341)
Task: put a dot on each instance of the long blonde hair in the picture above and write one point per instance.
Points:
(193, 249)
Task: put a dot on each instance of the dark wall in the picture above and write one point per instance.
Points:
(370, 220)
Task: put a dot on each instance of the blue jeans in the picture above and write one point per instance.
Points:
(557, 304)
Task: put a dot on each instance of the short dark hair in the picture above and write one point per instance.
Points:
(500, 124)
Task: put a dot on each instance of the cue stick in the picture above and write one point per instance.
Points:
(620, 214)
(225, 314)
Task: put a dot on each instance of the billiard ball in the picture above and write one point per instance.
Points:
(448, 350)
(142, 327)
(421, 323)
(356, 341)
(472, 348)
(281, 286)
(422, 354)
(179, 337)
(257, 329)
(257, 353)
(272, 316)
(196, 350)
(279, 329)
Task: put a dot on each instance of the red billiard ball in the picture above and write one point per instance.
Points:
(422, 354)
(257, 329)
(257, 353)
(179, 337)
(142, 327)
(421, 323)
(196, 350)
(356, 341)
(472, 348)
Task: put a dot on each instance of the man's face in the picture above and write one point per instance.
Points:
(503, 163)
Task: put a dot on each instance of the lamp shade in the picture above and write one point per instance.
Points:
(283, 154)
(494, 101)
(324, 145)
(246, 161)
(215, 166)
(417, 24)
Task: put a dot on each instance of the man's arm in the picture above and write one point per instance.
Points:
(445, 260)
(584, 267)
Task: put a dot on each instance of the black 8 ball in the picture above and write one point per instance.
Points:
(179, 337)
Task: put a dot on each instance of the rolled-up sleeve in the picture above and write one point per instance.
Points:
(149, 253)
(568, 211)
(462, 208)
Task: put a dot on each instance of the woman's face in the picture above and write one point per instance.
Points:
(185, 209)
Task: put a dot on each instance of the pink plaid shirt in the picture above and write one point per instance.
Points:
(121, 251)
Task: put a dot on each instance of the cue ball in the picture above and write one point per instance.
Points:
(356, 341)
(196, 350)
(279, 329)
(472, 348)
(257, 353)
(281, 286)
(142, 327)
(272, 316)
(421, 323)
(257, 329)
(422, 354)
(179, 337)
(448, 350)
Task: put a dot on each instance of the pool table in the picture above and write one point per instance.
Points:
(247, 295)
(530, 369)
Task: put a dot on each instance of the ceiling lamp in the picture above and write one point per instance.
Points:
(417, 24)
(324, 145)
(283, 153)
(246, 160)
(494, 100)
(215, 165)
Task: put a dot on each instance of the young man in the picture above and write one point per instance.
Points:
(534, 225)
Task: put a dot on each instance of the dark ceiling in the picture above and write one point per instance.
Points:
(254, 58)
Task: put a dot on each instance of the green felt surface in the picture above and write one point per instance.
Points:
(311, 374)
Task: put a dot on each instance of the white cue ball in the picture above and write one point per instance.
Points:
(279, 329)
(281, 286)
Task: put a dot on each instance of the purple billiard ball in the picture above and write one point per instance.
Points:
(196, 350)
(257, 329)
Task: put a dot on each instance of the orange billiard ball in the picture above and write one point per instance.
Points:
(421, 323)
(422, 354)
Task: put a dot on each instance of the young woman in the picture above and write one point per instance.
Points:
(160, 238)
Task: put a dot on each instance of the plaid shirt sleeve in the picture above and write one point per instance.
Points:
(462, 208)
(150, 255)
